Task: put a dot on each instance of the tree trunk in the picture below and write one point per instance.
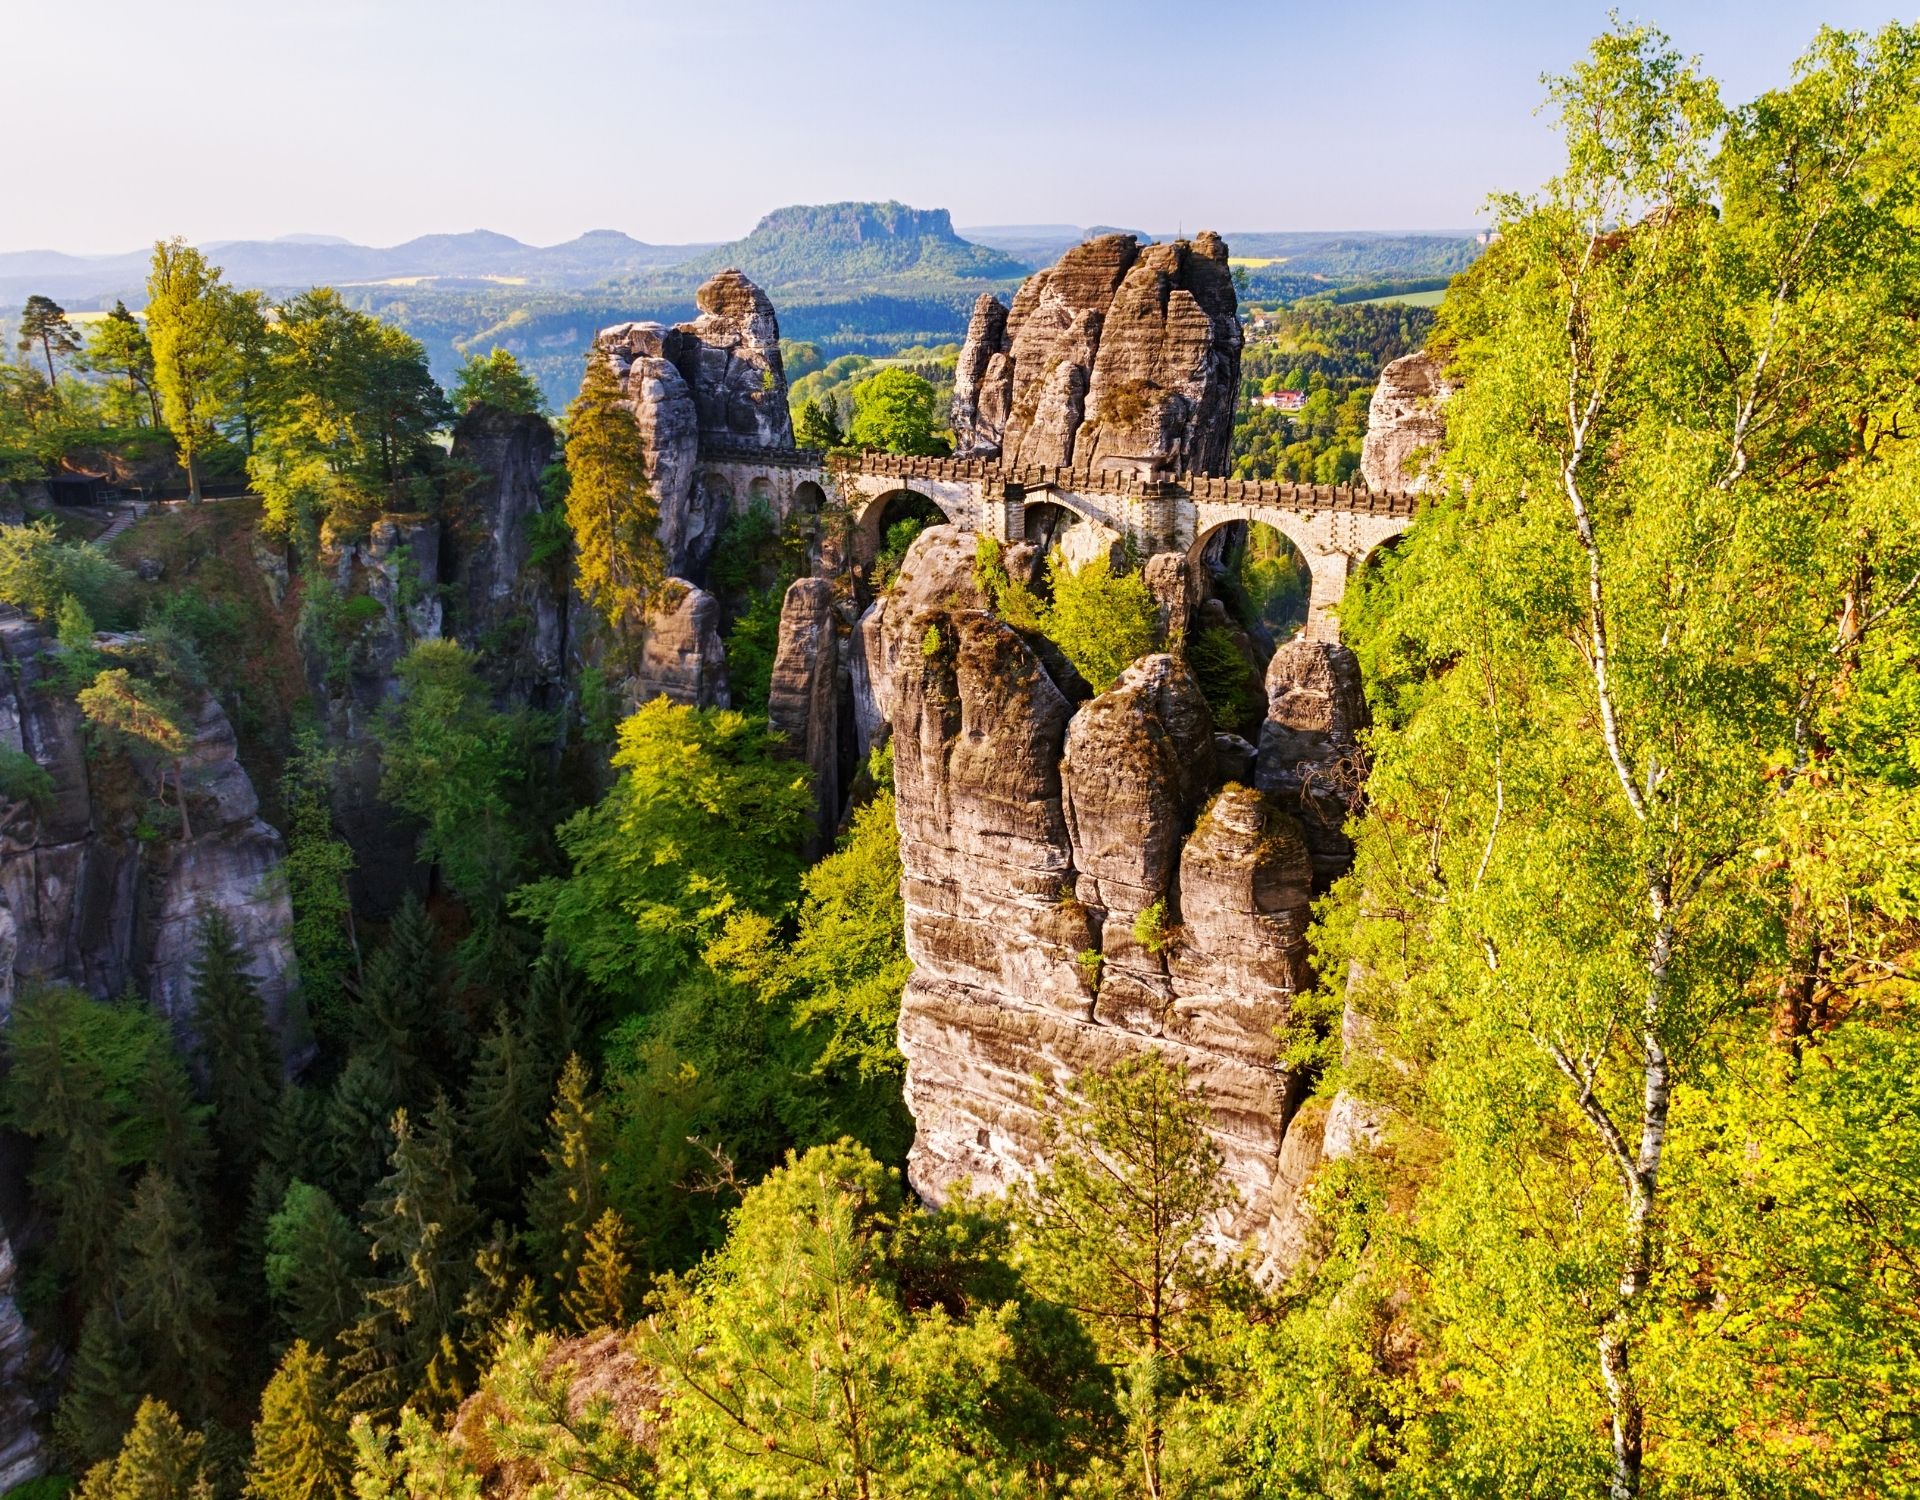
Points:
(193, 478)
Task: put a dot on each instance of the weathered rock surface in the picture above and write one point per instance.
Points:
(1114, 357)
(1310, 744)
(22, 1456)
(88, 902)
(729, 357)
(1406, 424)
(681, 655)
(1033, 836)
(515, 614)
(803, 702)
(712, 383)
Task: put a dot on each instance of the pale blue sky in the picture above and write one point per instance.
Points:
(383, 119)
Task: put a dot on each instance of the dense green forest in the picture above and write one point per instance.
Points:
(591, 1184)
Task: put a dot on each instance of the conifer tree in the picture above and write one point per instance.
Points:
(359, 1128)
(558, 1010)
(499, 1294)
(568, 1196)
(160, 1460)
(314, 1259)
(603, 1286)
(509, 1086)
(172, 1122)
(167, 1291)
(613, 516)
(420, 1222)
(301, 1450)
(241, 1059)
(43, 323)
(388, 1005)
(97, 1405)
(295, 1147)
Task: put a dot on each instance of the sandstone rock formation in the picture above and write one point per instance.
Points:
(1033, 838)
(91, 904)
(21, 1454)
(1405, 424)
(804, 700)
(1310, 744)
(715, 382)
(681, 656)
(1116, 357)
(516, 613)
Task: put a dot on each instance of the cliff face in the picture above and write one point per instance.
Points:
(1078, 887)
(516, 613)
(21, 1456)
(1405, 424)
(1117, 356)
(86, 900)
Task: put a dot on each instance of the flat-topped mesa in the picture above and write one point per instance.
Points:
(1117, 357)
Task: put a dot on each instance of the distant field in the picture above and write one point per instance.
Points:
(1255, 262)
(1411, 299)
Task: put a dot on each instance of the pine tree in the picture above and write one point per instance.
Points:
(172, 1123)
(314, 1259)
(558, 1010)
(160, 1460)
(619, 563)
(359, 1128)
(97, 1405)
(301, 1450)
(295, 1147)
(568, 1196)
(242, 1062)
(498, 1291)
(603, 1286)
(43, 323)
(421, 1224)
(167, 1291)
(505, 1095)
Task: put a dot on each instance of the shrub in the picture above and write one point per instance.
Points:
(38, 570)
(1151, 929)
(1100, 620)
(1226, 679)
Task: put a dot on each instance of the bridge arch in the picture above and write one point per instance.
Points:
(1265, 567)
(888, 509)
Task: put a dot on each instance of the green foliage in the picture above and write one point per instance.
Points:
(166, 1285)
(570, 1194)
(44, 325)
(237, 1051)
(118, 348)
(458, 765)
(619, 564)
(24, 782)
(894, 411)
(495, 379)
(160, 1460)
(300, 1446)
(809, 1374)
(96, 1407)
(1227, 679)
(705, 820)
(817, 424)
(316, 866)
(900, 536)
(39, 572)
(602, 1288)
(1152, 930)
(188, 325)
(1103, 622)
(313, 1263)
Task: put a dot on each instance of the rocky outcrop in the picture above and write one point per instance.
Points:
(803, 703)
(729, 357)
(91, 902)
(1405, 424)
(1075, 893)
(22, 1456)
(712, 383)
(680, 653)
(1310, 757)
(1116, 357)
(513, 612)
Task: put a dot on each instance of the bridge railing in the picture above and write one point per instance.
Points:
(1128, 483)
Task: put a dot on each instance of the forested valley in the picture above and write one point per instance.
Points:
(575, 1162)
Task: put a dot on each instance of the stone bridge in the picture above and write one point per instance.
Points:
(1334, 527)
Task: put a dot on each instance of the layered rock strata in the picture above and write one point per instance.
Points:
(679, 655)
(87, 901)
(803, 702)
(1116, 357)
(1406, 424)
(714, 382)
(1310, 753)
(21, 1455)
(515, 613)
(1077, 891)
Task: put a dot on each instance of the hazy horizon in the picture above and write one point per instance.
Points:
(219, 120)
